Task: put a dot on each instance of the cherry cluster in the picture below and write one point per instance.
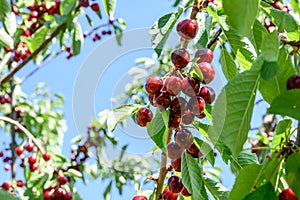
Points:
(21, 52)
(56, 191)
(185, 96)
(4, 99)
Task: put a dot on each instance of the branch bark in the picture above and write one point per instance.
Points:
(33, 55)
(215, 38)
(25, 131)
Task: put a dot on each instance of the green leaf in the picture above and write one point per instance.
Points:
(7, 17)
(218, 191)
(119, 114)
(162, 28)
(281, 132)
(287, 104)
(204, 31)
(233, 111)
(259, 32)
(89, 20)
(243, 160)
(229, 67)
(74, 173)
(272, 88)
(264, 192)
(295, 5)
(206, 150)
(270, 46)
(192, 176)
(118, 34)
(241, 16)
(5, 195)
(196, 72)
(67, 6)
(107, 191)
(269, 70)
(283, 20)
(245, 182)
(293, 172)
(38, 38)
(109, 6)
(5, 39)
(270, 168)
(157, 129)
(77, 39)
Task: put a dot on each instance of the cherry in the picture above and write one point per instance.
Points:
(176, 164)
(190, 86)
(173, 85)
(194, 151)
(15, 9)
(168, 195)
(178, 106)
(96, 37)
(180, 58)
(293, 82)
(143, 116)
(32, 159)
(175, 184)
(185, 192)
(19, 150)
(151, 98)
(184, 138)
(70, 55)
(84, 3)
(109, 32)
(174, 151)
(174, 121)
(30, 147)
(139, 198)
(208, 94)
(6, 185)
(187, 28)
(20, 184)
(153, 84)
(162, 100)
(1, 154)
(33, 14)
(207, 71)
(204, 55)
(68, 196)
(287, 194)
(188, 117)
(26, 33)
(46, 156)
(196, 105)
(95, 7)
(62, 180)
(48, 195)
(33, 167)
(59, 193)
(7, 167)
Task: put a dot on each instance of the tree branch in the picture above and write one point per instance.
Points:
(33, 55)
(25, 131)
(215, 38)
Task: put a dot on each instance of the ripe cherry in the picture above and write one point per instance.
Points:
(293, 82)
(6, 185)
(194, 151)
(34, 14)
(68, 196)
(19, 150)
(1, 154)
(185, 192)
(48, 195)
(174, 121)
(174, 151)
(173, 85)
(143, 116)
(62, 180)
(162, 100)
(176, 164)
(59, 193)
(20, 184)
(208, 94)
(15, 9)
(175, 184)
(178, 106)
(32, 159)
(139, 198)
(7, 167)
(188, 117)
(196, 105)
(204, 55)
(33, 167)
(207, 71)
(287, 194)
(95, 7)
(184, 138)
(153, 84)
(168, 195)
(180, 58)
(190, 86)
(26, 33)
(46, 156)
(84, 3)
(187, 28)
(30, 147)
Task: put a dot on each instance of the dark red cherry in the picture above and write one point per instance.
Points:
(178, 106)
(173, 85)
(207, 71)
(208, 94)
(188, 117)
(196, 105)
(176, 164)
(185, 192)
(175, 184)
(194, 151)
(187, 28)
(184, 138)
(168, 195)
(180, 58)
(174, 121)
(293, 82)
(174, 151)
(162, 100)
(143, 116)
(153, 84)
(204, 55)
(190, 86)
(287, 194)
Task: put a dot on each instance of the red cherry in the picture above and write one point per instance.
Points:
(7, 167)
(84, 3)
(194, 151)
(95, 7)
(196, 105)
(153, 84)
(20, 184)
(32, 159)
(34, 14)
(48, 195)
(207, 71)
(175, 184)
(293, 82)
(174, 121)
(70, 55)
(19, 150)
(188, 117)
(176, 164)
(59, 193)
(139, 198)
(62, 180)
(162, 100)
(26, 33)
(287, 194)
(204, 55)
(185, 192)
(173, 85)
(1, 154)
(46, 156)
(187, 28)
(15, 9)
(208, 94)
(190, 86)
(30, 147)
(168, 195)
(68, 196)
(33, 167)
(178, 106)
(6, 185)
(143, 116)
(184, 138)
(174, 151)
(180, 58)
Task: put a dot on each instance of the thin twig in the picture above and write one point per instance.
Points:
(25, 131)
(33, 55)
(215, 38)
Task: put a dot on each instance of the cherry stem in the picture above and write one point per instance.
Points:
(260, 148)
(25, 131)
(163, 169)
(214, 38)
(298, 134)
